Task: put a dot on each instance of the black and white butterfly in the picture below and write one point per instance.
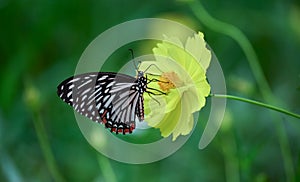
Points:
(113, 99)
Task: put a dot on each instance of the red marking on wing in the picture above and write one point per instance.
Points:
(132, 127)
(103, 118)
(114, 129)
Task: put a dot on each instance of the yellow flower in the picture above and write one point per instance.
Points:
(181, 71)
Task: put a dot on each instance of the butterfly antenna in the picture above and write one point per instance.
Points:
(154, 66)
(132, 57)
(139, 64)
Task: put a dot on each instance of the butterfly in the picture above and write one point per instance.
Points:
(113, 99)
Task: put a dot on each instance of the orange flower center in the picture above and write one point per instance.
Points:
(169, 81)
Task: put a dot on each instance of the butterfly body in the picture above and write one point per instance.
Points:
(113, 99)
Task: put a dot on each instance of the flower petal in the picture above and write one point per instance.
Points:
(173, 113)
(197, 47)
(186, 120)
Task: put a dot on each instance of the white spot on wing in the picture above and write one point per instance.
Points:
(90, 101)
(109, 101)
(69, 94)
(84, 97)
(86, 82)
(110, 84)
(85, 92)
(105, 98)
(98, 105)
(81, 105)
(74, 80)
(90, 108)
(102, 77)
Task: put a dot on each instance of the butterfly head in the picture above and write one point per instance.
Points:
(140, 74)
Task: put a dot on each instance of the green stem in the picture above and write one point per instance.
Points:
(257, 71)
(106, 168)
(45, 146)
(284, 111)
(231, 159)
(33, 103)
(239, 37)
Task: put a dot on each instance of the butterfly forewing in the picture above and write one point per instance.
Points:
(109, 98)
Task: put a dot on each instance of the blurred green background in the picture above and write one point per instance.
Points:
(41, 42)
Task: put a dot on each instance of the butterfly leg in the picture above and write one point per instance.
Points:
(149, 93)
(153, 93)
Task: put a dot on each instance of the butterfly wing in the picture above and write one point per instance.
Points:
(104, 97)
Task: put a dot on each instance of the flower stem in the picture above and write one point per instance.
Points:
(257, 103)
(237, 35)
(106, 168)
(32, 101)
(45, 146)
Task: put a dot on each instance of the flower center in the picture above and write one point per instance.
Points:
(169, 80)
